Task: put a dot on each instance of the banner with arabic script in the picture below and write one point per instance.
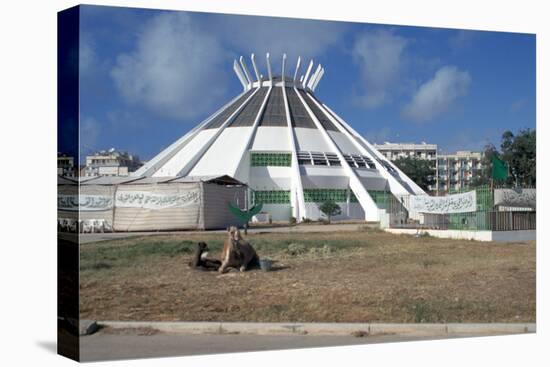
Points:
(521, 198)
(84, 202)
(457, 203)
(155, 201)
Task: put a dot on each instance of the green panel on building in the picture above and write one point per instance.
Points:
(270, 159)
(381, 198)
(272, 197)
(322, 195)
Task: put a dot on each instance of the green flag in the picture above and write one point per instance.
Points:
(500, 168)
(245, 215)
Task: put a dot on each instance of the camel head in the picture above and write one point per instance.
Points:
(234, 233)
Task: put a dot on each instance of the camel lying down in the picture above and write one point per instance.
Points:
(238, 253)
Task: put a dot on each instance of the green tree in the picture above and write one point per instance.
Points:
(484, 176)
(519, 151)
(330, 209)
(421, 171)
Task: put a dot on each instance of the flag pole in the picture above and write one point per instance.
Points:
(492, 172)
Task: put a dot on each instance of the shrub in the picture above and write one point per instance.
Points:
(330, 209)
(424, 313)
(295, 249)
(101, 265)
(423, 234)
(326, 250)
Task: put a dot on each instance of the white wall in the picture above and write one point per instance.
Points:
(353, 211)
(279, 212)
(223, 156)
(323, 177)
(271, 138)
(497, 236)
(310, 140)
(372, 180)
(185, 155)
(346, 146)
(270, 178)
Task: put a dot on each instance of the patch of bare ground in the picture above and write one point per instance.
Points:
(363, 276)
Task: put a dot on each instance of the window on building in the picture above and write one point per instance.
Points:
(333, 159)
(272, 197)
(304, 158)
(258, 159)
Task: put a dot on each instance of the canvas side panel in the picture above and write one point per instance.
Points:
(217, 214)
(131, 216)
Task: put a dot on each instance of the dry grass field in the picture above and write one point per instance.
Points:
(362, 276)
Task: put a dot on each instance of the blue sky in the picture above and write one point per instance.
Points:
(147, 76)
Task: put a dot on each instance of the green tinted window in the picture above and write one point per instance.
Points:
(270, 159)
(272, 197)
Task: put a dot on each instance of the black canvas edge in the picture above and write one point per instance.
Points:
(68, 318)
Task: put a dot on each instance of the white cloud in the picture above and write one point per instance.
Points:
(379, 136)
(462, 39)
(380, 57)
(467, 140)
(175, 70)
(295, 37)
(89, 133)
(437, 94)
(86, 55)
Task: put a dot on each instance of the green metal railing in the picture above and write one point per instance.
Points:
(478, 220)
(484, 196)
(486, 216)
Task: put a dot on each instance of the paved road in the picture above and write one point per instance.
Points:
(102, 346)
(96, 237)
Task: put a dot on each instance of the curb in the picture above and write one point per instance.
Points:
(266, 328)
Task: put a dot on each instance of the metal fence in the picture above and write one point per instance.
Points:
(490, 220)
(486, 217)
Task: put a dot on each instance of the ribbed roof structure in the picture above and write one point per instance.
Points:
(288, 146)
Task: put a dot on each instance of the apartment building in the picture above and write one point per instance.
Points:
(393, 151)
(111, 163)
(458, 170)
(451, 171)
(65, 165)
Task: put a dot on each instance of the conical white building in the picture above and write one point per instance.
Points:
(288, 146)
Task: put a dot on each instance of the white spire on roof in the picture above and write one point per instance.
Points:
(307, 73)
(307, 81)
(246, 73)
(314, 77)
(258, 76)
(297, 68)
(318, 79)
(240, 74)
(268, 66)
(283, 69)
